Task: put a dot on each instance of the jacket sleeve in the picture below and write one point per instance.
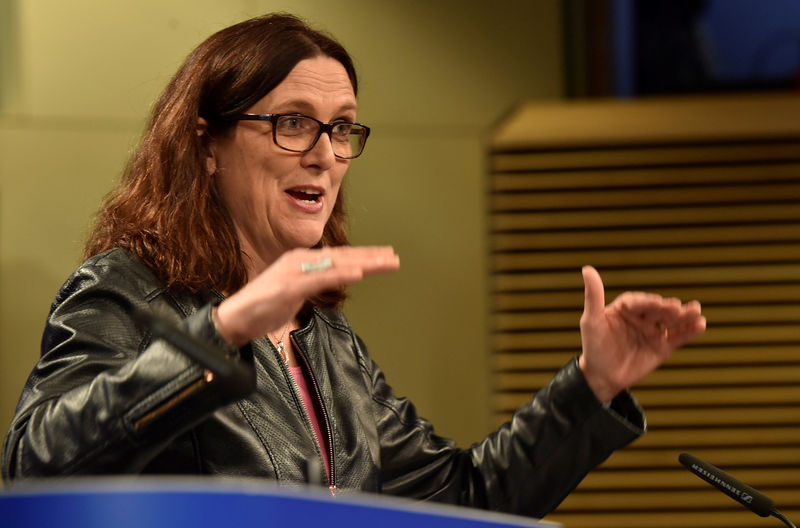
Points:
(526, 467)
(102, 399)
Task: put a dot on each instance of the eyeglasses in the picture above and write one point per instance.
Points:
(299, 133)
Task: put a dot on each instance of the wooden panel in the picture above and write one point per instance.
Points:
(645, 197)
(735, 437)
(648, 257)
(699, 499)
(643, 237)
(616, 124)
(751, 375)
(742, 293)
(723, 314)
(779, 171)
(644, 157)
(634, 218)
(650, 277)
(686, 208)
(730, 517)
(650, 398)
(679, 478)
(744, 355)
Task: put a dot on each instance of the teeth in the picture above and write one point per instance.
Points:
(309, 196)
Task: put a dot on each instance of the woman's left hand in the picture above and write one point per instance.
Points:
(626, 340)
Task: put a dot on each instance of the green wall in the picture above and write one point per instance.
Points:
(77, 79)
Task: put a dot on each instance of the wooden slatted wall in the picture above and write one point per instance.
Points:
(698, 199)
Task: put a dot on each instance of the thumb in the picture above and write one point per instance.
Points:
(594, 295)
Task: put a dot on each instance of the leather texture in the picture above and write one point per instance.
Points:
(106, 398)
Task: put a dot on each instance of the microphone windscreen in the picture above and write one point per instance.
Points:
(740, 492)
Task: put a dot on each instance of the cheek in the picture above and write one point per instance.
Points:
(226, 188)
(246, 197)
(261, 184)
(337, 179)
(238, 190)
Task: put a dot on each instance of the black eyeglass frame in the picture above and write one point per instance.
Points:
(323, 128)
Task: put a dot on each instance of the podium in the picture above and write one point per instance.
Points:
(145, 502)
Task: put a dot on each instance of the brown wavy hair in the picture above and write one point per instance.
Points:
(166, 210)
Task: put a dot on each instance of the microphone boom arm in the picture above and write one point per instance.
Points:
(748, 497)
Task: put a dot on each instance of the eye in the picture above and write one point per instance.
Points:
(342, 130)
(290, 122)
(296, 125)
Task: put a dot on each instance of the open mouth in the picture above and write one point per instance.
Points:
(305, 195)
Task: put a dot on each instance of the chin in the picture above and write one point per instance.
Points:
(301, 233)
(306, 240)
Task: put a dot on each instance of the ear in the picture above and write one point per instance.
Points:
(211, 161)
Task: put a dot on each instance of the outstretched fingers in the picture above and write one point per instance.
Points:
(661, 319)
(277, 293)
(328, 268)
(689, 327)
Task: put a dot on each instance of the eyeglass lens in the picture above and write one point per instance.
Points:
(298, 133)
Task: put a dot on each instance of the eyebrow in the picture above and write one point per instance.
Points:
(306, 107)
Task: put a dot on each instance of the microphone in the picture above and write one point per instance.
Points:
(738, 491)
(748, 497)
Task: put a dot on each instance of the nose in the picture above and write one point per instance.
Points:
(321, 154)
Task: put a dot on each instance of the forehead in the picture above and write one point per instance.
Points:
(320, 83)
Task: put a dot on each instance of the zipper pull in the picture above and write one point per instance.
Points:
(332, 489)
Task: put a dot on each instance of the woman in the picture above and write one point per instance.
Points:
(229, 222)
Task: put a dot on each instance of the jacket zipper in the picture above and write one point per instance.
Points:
(332, 476)
(204, 380)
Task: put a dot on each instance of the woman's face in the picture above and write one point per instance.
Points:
(280, 200)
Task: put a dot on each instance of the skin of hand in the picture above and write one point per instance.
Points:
(626, 340)
(277, 294)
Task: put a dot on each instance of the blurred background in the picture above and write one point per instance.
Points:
(456, 92)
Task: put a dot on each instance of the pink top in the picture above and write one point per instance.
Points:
(311, 410)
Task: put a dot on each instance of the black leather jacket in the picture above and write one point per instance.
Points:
(106, 398)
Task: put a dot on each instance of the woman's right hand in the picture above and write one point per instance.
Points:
(275, 296)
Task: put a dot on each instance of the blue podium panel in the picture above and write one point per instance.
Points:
(205, 503)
